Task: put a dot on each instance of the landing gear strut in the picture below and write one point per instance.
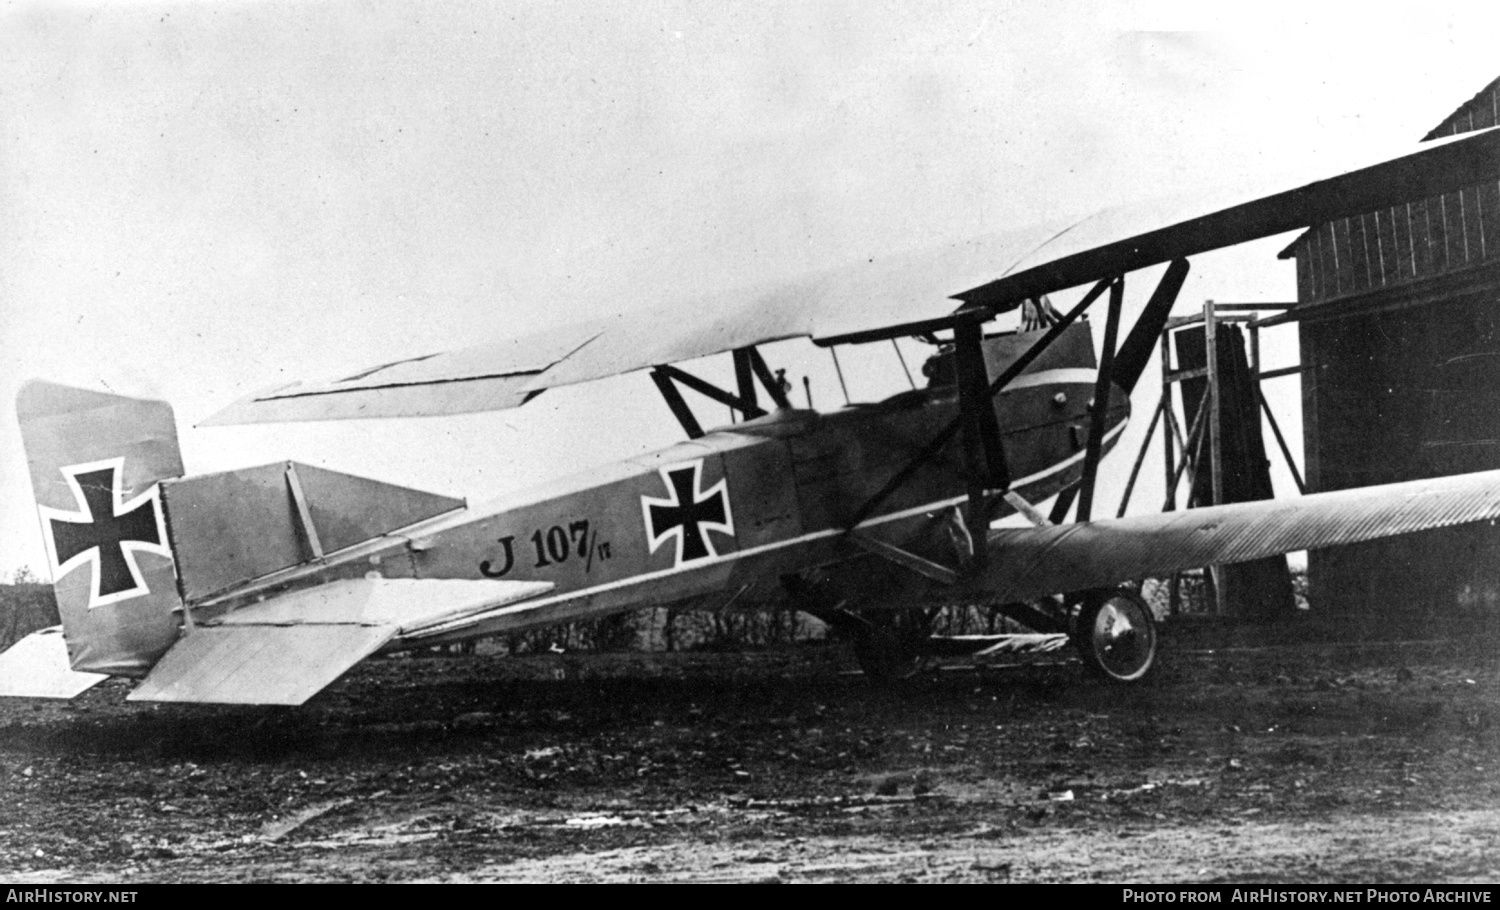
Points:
(1115, 634)
(888, 644)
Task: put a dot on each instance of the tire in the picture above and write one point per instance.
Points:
(1115, 634)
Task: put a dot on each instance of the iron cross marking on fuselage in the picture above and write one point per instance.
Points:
(688, 515)
(107, 526)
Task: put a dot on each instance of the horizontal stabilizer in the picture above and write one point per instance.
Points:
(285, 649)
(408, 604)
(1033, 562)
(37, 667)
(258, 665)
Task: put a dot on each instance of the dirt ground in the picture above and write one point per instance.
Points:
(1261, 756)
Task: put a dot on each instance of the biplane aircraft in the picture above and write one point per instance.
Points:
(264, 585)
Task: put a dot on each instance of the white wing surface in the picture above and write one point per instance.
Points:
(870, 295)
(997, 271)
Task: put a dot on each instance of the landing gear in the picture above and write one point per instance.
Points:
(888, 644)
(1116, 634)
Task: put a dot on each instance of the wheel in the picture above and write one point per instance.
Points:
(1116, 634)
(887, 644)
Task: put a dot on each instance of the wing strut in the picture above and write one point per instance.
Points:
(936, 444)
(744, 378)
(1099, 408)
(676, 402)
(702, 386)
(1140, 344)
(748, 366)
(984, 453)
(986, 460)
(772, 383)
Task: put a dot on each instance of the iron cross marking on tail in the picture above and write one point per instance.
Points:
(688, 515)
(107, 527)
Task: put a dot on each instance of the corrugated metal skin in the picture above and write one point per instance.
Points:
(1032, 562)
(258, 665)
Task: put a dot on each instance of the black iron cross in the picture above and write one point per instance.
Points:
(685, 513)
(106, 529)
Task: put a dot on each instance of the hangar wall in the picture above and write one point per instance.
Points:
(1400, 336)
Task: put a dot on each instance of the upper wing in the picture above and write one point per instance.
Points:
(997, 271)
(1132, 237)
(871, 295)
(1033, 562)
(489, 377)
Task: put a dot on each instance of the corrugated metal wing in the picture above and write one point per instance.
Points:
(37, 667)
(1032, 562)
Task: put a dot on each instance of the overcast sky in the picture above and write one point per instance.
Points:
(203, 199)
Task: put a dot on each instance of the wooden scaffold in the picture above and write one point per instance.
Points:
(1185, 438)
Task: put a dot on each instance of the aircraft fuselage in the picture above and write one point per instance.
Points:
(719, 520)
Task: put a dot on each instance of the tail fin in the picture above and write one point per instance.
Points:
(96, 461)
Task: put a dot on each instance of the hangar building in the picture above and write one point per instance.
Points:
(1400, 341)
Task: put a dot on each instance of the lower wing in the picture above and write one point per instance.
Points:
(1034, 562)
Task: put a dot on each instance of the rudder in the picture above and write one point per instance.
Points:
(96, 461)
